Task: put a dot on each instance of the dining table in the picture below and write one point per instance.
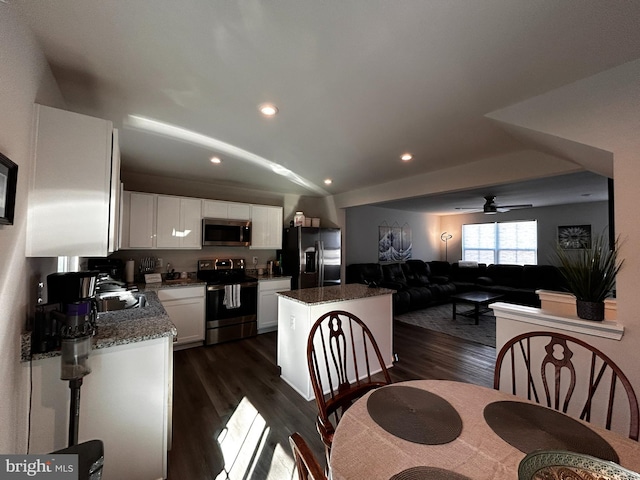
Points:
(440, 429)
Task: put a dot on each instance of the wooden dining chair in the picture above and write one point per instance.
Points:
(306, 463)
(343, 357)
(553, 376)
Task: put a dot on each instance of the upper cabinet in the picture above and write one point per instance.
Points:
(138, 220)
(161, 221)
(266, 227)
(179, 222)
(74, 187)
(152, 221)
(231, 210)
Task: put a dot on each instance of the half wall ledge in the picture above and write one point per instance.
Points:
(506, 313)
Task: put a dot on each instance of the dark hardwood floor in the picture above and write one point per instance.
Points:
(232, 414)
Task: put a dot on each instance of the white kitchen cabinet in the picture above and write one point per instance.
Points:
(268, 302)
(230, 210)
(125, 401)
(179, 222)
(115, 196)
(266, 227)
(185, 307)
(71, 211)
(138, 220)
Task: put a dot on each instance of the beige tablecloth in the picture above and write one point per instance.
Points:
(363, 450)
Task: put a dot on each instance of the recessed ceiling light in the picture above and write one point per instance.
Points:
(328, 181)
(406, 157)
(215, 160)
(268, 109)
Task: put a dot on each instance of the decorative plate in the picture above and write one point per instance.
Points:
(562, 465)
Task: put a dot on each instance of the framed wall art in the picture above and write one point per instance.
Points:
(394, 243)
(8, 181)
(574, 237)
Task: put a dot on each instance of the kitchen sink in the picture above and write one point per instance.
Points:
(110, 301)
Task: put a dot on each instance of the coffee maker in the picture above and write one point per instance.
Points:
(67, 323)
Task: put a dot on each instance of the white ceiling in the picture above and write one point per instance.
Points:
(357, 82)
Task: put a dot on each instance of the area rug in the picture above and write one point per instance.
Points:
(439, 318)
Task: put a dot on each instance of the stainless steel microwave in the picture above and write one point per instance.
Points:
(228, 233)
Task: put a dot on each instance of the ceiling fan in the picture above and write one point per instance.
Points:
(490, 207)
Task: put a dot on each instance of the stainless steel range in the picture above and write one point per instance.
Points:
(231, 301)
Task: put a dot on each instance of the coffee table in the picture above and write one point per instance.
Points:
(477, 299)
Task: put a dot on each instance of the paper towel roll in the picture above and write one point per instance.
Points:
(128, 271)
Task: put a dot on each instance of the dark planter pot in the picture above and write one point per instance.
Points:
(590, 310)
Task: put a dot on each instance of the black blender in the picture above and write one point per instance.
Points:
(75, 320)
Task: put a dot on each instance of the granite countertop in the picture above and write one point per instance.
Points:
(338, 293)
(120, 327)
(266, 276)
(180, 282)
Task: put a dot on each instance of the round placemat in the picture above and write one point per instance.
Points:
(428, 473)
(414, 415)
(530, 427)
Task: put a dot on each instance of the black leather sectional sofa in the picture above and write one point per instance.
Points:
(420, 284)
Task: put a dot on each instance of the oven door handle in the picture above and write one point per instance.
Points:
(212, 288)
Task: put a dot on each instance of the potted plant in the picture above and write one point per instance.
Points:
(590, 274)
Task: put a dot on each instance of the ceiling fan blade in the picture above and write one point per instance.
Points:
(491, 207)
(524, 205)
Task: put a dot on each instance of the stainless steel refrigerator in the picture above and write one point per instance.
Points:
(311, 256)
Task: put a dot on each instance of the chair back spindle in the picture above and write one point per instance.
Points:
(560, 374)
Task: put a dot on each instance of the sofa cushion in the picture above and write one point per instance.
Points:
(439, 268)
(485, 281)
(437, 279)
(393, 272)
(546, 277)
(505, 274)
(364, 273)
(401, 302)
(420, 297)
(460, 273)
(442, 292)
(417, 272)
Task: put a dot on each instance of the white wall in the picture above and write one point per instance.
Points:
(362, 229)
(361, 238)
(25, 78)
(549, 219)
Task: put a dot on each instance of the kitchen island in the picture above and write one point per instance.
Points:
(126, 399)
(298, 310)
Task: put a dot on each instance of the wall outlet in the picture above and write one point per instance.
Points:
(292, 322)
(255, 261)
(159, 262)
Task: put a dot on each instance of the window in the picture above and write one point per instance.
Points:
(501, 242)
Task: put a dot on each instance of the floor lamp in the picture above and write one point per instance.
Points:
(445, 237)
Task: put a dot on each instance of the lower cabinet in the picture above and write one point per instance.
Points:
(125, 401)
(185, 307)
(268, 302)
